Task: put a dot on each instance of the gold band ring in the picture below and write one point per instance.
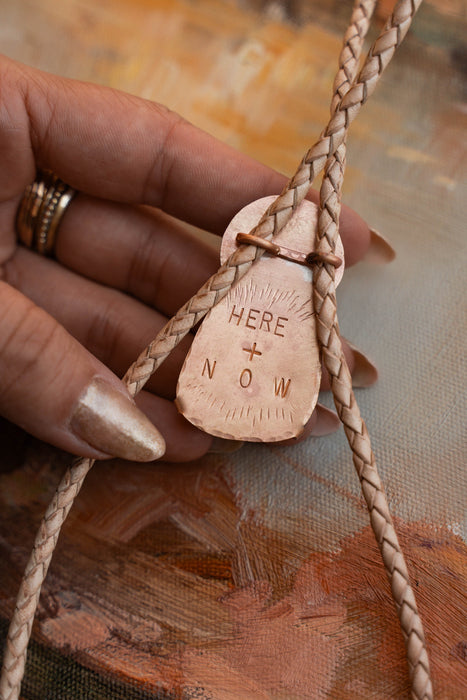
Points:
(41, 210)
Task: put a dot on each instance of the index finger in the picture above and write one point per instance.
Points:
(120, 147)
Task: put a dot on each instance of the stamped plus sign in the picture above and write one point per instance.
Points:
(229, 386)
(252, 351)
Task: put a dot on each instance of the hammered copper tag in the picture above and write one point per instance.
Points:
(253, 371)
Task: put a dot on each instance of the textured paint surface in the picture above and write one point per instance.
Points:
(180, 587)
(256, 576)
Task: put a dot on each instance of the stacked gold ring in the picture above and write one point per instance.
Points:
(41, 210)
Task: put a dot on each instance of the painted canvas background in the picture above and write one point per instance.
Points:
(255, 576)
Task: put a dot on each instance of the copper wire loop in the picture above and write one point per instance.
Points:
(316, 258)
(41, 210)
(296, 256)
(249, 239)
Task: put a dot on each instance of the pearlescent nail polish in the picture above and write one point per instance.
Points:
(110, 421)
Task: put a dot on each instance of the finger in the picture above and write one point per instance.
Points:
(145, 153)
(55, 389)
(135, 249)
(112, 326)
(184, 442)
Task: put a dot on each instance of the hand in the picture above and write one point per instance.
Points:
(124, 261)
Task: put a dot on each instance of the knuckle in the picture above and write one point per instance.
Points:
(104, 332)
(145, 270)
(157, 182)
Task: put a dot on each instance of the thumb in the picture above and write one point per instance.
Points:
(55, 389)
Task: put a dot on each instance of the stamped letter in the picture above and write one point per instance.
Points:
(281, 387)
(251, 317)
(280, 325)
(237, 316)
(245, 378)
(207, 368)
(266, 319)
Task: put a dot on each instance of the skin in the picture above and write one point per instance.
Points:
(124, 261)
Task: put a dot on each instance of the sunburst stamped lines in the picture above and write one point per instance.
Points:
(268, 296)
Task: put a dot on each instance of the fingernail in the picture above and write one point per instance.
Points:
(364, 372)
(380, 251)
(110, 422)
(220, 446)
(327, 421)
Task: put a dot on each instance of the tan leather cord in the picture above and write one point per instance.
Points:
(324, 302)
(328, 152)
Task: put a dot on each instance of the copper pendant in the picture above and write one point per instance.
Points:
(253, 371)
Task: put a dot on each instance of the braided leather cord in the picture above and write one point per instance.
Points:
(329, 151)
(324, 302)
